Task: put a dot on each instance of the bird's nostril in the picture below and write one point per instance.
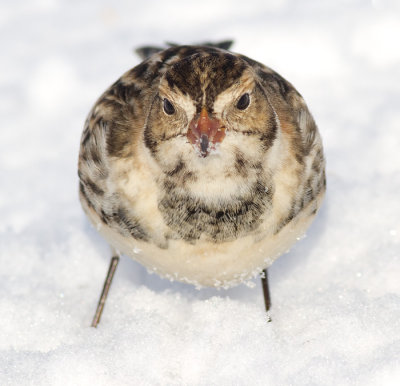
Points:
(204, 143)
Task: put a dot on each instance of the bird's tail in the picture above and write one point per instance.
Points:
(146, 51)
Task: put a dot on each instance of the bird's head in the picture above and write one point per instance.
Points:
(210, 109)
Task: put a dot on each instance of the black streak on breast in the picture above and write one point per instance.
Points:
(190, 217)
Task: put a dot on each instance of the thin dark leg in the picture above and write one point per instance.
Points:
(267, 297)
(106, 288)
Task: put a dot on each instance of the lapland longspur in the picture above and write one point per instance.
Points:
(201, 164)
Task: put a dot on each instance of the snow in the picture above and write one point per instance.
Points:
(336, 295)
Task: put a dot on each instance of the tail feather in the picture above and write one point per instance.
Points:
(147, 51)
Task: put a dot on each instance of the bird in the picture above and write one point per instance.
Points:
(201, 164)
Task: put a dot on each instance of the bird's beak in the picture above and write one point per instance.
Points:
(204, 133)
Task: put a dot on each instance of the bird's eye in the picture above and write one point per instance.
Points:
(168, 107)
(243, 102)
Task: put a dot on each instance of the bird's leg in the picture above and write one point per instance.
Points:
(106, 288)
(267, 297)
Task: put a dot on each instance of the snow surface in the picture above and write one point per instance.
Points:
(336, 295)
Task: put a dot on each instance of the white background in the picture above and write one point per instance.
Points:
(336, 295)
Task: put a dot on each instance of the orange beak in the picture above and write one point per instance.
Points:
(204, 133)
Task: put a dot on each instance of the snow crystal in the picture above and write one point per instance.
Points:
(137, 250)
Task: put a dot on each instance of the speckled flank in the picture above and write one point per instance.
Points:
(128, 224)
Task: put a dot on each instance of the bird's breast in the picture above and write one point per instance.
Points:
(211, 214)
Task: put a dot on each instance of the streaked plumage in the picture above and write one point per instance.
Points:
(182, 171)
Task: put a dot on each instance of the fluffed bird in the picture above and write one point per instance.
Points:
(201, 164)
